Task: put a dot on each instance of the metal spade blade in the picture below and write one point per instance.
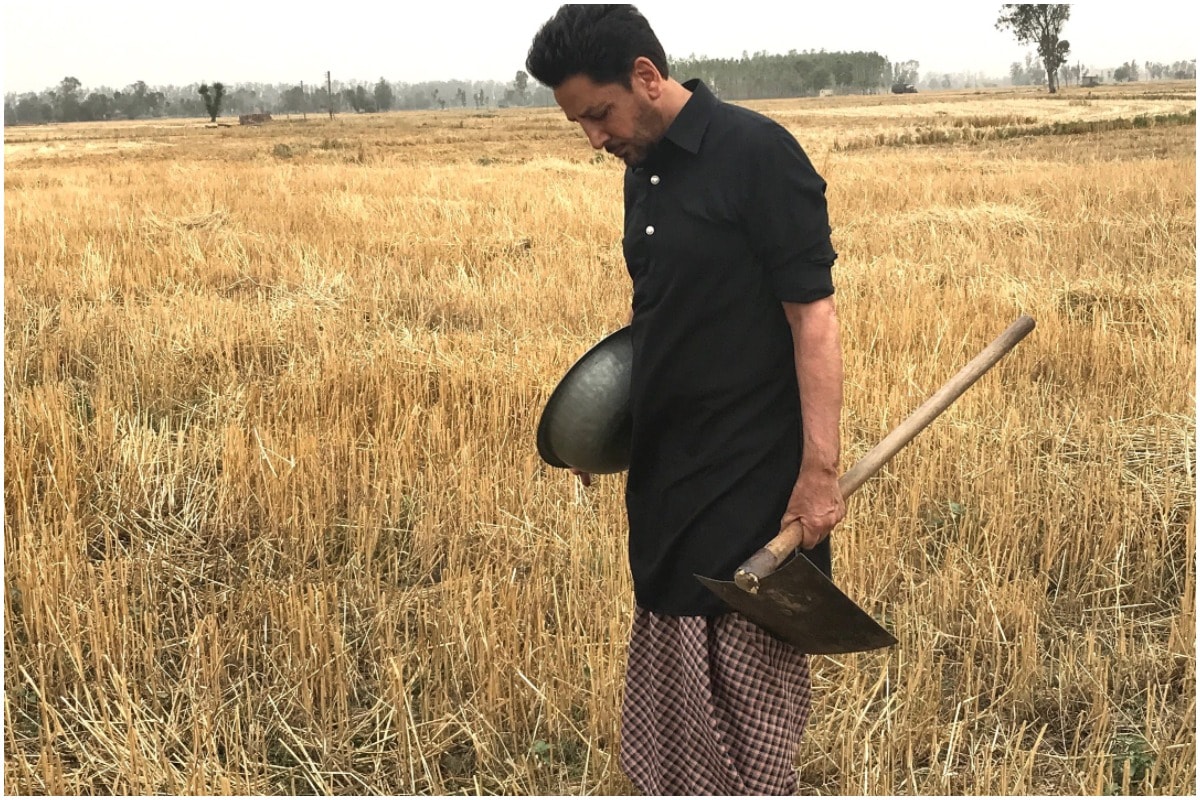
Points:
(793, 599)
(799, 605)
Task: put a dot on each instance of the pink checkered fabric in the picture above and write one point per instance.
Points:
(713, 706)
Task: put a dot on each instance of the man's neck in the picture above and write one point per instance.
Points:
(674, 98)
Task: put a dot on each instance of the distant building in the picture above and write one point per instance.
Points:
(1088, 81)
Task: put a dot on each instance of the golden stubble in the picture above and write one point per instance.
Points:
(275, 522)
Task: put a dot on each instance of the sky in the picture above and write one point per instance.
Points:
(118, 42)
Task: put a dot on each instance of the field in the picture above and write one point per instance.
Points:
(275, 522)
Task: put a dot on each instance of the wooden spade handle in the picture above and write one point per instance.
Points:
(768, 559)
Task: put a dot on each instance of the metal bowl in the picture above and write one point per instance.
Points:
(586, 423)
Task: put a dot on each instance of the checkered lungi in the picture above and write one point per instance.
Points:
(713, 706)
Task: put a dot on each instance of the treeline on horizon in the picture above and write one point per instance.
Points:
(750, 77)
(765, 75)
(70, 102)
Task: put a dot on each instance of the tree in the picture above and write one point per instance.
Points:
(906, 71)
(819, 79)
(97, 106)
(357, 98)
(1126, 72)
(212, 99)
(320, 99)
(365, 102)
(30, 109)
(802, 73)
(521, 84)
(1039, 25)
(138, 100)
(67, 100)
(293, 101)
(1068, 74)
(843, 73)
(384, 97)
(1035, 73)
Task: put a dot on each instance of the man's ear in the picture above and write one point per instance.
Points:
(647, 77)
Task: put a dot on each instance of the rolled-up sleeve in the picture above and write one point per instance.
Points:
(787, 218)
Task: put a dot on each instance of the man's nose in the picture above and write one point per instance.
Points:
(595, 134)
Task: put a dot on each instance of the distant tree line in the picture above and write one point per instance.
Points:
(1032, 73)
(957, 80)
(1155, 71)
(749, 77)
(794, 74)
(757, 76)
(70, 101)
(67, 102)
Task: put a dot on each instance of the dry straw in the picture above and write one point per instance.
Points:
(274, 521)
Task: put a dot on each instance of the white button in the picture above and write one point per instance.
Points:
(649, 230)
(654, 179)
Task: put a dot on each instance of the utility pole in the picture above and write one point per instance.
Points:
(329, 92)
(303, 102)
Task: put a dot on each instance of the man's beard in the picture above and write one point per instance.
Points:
(647, 132)
(633, 155)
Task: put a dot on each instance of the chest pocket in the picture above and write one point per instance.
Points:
(706, 226)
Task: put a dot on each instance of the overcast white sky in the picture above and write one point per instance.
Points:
(162, 42)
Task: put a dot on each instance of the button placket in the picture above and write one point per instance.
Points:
(654, 181)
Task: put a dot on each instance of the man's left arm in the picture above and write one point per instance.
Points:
(816, 500)
(787, 222)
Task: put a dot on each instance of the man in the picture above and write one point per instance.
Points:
(736, 397)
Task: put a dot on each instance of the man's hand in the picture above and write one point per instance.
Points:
(817, 503)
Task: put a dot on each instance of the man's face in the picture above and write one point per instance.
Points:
(622, 121)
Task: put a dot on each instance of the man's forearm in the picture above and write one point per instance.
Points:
(818, 354)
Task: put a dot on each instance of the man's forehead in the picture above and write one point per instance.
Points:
(580, 95)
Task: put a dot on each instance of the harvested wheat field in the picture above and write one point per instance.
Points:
(275, 521)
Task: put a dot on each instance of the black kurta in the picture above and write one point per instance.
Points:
(724, 220)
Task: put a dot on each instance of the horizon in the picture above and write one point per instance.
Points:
(107, 47)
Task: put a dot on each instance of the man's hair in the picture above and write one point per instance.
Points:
(599, 41)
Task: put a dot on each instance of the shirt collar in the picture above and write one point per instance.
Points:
(687, 129)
